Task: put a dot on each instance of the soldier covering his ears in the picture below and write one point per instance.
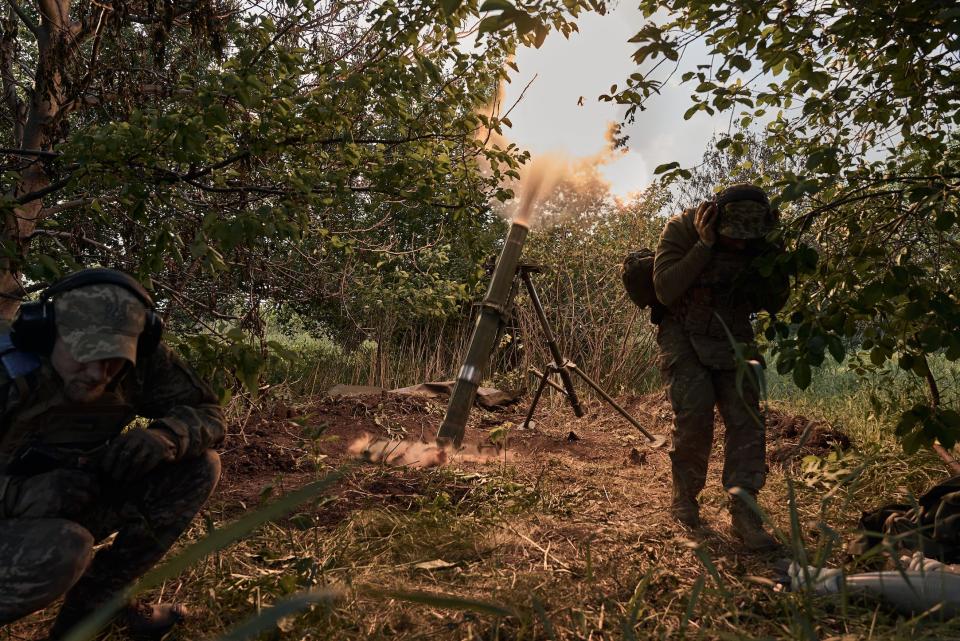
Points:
(78, 367)
(702, 274)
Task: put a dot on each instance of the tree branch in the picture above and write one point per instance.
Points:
(54, 13)
(8, 54)
(154, 19)
(70, 204)
(25, 19)
(145, 90)
(40, 193)
(807, 219)
(40, 153)
(51, 233)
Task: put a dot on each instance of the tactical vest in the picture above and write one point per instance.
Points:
(40, 418)
(718, 298)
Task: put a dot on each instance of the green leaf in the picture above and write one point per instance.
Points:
(836, 348)
(450, 6)
(688, 114)
(268, 619)
(497, 5)
(801, 374)
(666, 167)
(445, 601)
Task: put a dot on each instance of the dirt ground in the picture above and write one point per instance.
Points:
(613, 487)
(274, 448)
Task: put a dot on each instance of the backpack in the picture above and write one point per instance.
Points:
(637, 276)
(931, 526)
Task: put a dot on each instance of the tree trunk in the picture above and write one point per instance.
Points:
(44, 104)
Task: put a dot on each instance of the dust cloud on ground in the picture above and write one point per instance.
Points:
(419, 454)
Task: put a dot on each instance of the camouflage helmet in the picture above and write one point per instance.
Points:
(99, 321)
(744, 212)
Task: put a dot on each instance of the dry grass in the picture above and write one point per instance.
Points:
(572, 536)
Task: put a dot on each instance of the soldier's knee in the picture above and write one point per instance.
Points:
(694, 411)
(210, 461)
(201, 474)
(750, 480)
(52, 554)
(692, 396)
(75, 551)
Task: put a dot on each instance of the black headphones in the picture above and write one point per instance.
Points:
(35, 329)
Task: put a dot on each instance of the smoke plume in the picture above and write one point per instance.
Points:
(542, 175)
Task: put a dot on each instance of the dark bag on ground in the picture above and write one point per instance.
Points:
(932, 526)
(637, 275)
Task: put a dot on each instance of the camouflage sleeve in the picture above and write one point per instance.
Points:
(10, 393)
(680, 258)
(173, 395)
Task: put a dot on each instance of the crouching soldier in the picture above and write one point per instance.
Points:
(702, 274)
(78, 366)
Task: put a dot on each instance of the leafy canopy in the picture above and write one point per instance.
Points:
(858, 103)
(330, 158)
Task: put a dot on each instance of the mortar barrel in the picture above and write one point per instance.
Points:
(483, 338)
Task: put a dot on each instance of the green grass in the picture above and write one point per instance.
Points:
(875, 471)
(866, 406)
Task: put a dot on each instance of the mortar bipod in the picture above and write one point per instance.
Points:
(564, 367)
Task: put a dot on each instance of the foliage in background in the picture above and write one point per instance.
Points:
(580, 242)
(864, 97)
(325, 158)
(754, 162)
(583, 236)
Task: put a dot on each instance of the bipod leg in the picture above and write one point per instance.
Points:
(655, 441)
(559, 362)
(539, 374)
(544, 379)
(567, 381)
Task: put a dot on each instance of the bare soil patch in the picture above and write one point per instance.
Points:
(583, 518)
(284, 448)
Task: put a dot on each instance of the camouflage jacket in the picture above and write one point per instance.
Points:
(708, 291)
(35, 415)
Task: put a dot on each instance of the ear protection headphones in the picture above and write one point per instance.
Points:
(35, 329)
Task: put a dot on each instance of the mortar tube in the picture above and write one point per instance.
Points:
(483, 338)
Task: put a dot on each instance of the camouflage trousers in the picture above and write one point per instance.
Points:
(694, 391)
(44, 559)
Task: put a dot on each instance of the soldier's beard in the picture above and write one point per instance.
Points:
(84, 390)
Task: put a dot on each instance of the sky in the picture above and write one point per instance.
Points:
(548, 118)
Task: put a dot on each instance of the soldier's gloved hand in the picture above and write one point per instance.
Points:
(138, 452)
(61, 493)
(705, 222)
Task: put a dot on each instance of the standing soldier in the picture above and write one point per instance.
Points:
(78, 366)
(702, 275)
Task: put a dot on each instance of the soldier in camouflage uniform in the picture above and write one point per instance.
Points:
(702, 275)
(71, 474)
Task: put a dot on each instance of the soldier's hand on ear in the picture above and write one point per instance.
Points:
(137, 452)
(705, 221)
(61, 493)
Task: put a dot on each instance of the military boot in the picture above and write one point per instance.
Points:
(748, 527)
(153, 622)
(685, 508)
(141, 621)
